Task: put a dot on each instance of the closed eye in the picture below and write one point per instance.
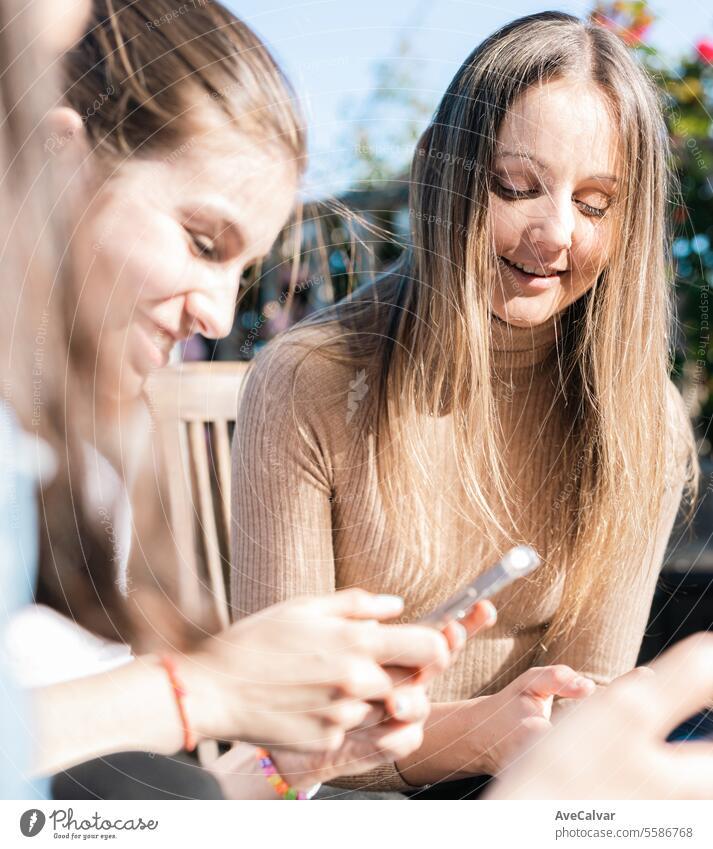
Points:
(510, 193)
(593, 211)
(204, 247)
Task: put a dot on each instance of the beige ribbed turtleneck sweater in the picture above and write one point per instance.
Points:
(307, 515)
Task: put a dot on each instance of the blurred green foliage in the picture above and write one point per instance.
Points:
(686, 86)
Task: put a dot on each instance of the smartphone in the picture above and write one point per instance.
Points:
(516, 563)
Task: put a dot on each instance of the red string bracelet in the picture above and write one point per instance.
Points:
(179, 691)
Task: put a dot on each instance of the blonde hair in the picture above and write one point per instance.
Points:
(423, 330)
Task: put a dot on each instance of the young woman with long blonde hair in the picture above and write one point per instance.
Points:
(507, 382)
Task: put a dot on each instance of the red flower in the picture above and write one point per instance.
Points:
(705, 49)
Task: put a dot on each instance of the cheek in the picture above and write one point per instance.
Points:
(508, 225)
(136, 269)
(591, 247)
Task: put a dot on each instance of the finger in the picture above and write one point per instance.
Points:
(404, 675)
(681, 686)
(409, 645)
(358, 604)
(346, 713)
(394, 740)
(482, 616)
(456, 636)
(409, 704)
(556, 681)
(577, 688)
(362, 679)
(315, 735)
(377, 714)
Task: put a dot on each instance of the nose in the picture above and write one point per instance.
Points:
(552, 230)
(211, 314)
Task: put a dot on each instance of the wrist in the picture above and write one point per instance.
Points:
(164, 733)
(455, 744)
(205, 700)
(240, 776)
(482, 751)
(194, 714)
(307, 777)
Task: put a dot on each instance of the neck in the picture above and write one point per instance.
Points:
(515, 348)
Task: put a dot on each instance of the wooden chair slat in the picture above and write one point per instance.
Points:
(197, 438)
(221, 450)
(193, 406)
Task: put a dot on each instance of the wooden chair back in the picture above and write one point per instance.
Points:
(194, 406)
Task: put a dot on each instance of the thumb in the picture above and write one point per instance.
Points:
(557, 681)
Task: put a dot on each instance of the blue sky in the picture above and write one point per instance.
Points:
(331, 48)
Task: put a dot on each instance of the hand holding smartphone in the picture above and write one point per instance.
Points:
(514, 564)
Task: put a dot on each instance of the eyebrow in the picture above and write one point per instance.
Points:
(225, 214)
(513, 154)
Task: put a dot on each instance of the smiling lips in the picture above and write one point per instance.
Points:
(534, 271)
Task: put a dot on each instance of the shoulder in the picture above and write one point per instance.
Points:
(304, 377)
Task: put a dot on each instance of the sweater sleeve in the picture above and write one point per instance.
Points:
(607, 640)
(281, 517)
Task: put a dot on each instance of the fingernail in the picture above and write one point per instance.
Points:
(460, 634)
(492, 614)
(388, 603)
(583, 682)
(400, 706)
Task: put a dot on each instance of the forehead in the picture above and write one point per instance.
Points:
(259, 184)
(228, 179)
(566, 124)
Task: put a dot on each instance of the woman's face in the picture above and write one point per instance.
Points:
(163, 246)
(555, 181)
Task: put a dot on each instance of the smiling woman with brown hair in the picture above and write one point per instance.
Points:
(507, 382)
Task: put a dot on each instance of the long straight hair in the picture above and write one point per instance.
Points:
(423, 330)
(134, 78)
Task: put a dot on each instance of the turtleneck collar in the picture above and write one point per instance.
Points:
(522, 347)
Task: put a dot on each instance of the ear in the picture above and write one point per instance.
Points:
(65, 129)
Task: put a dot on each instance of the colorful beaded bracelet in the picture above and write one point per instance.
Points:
(279, 785)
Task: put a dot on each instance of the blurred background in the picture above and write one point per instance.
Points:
(369, 75)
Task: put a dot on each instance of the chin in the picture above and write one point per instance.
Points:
(126, 387)
(524, 312)
(132, 387)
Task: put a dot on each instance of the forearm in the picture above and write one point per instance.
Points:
(132, 708)
(455, 744)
